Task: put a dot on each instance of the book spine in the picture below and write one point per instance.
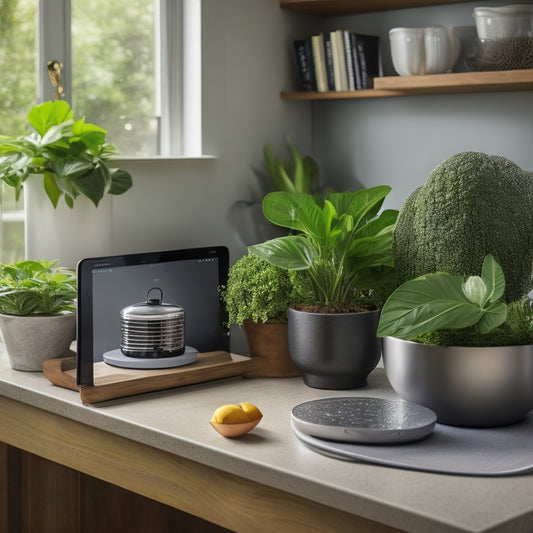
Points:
(304, 64)
(349, 60)
(356, 64)
(369, 55)
(319, 61)
(342, 60)
(336, 61)
(329, 62)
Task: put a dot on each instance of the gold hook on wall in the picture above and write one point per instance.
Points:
(54, 71)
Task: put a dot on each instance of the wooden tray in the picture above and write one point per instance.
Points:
(112, 382)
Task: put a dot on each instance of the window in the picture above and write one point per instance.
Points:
(131, 66)
(17, 94)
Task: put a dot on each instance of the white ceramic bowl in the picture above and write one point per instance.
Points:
(504, 22)
(431, 50)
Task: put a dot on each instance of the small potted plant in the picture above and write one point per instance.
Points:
(458, 331)
(68, 158)
(257, 298)
(37, 312)
(341, 253)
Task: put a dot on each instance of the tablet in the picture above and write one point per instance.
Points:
(189, 278)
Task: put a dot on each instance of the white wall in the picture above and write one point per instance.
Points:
(398, 141)
(188, 203)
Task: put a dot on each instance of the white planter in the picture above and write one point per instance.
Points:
(63, 233)
(31, 340)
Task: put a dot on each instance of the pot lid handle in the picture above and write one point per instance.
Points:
(154, 301)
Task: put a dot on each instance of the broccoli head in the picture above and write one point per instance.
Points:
(471, 205)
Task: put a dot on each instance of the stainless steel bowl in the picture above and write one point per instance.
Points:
(473, 387)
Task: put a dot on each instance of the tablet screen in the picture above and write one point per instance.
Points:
(187, 278)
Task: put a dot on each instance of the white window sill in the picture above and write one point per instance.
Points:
(128, 158)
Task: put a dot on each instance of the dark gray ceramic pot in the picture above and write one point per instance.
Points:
(334, 351)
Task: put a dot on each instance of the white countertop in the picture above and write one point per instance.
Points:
(177, 421)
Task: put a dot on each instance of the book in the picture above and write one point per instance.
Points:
(329, 62)
(349, 60)
(355, 62)
(305, 68)
(369, 58)
(339, 61)
(319, 61)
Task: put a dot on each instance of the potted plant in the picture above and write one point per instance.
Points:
(297, 173)
(68, 158)
(37, 312)
(453, 345)
(342, 255)
(257, 298)
(454, 340)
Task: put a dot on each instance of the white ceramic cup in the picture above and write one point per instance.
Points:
(441, 49)
(407, 50)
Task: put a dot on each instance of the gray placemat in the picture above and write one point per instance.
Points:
(117, 358)
(499, 451)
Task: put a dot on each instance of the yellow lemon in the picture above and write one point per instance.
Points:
(251, 411)
(229, 414)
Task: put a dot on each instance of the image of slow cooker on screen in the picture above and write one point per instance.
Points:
(152, 329)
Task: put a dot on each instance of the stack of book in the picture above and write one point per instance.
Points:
(340, 60)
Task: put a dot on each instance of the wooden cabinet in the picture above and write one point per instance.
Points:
(463, 82)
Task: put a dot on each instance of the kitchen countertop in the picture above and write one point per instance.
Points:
(176, 421)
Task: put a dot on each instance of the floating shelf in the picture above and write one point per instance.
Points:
(453, 83)
(345, 7)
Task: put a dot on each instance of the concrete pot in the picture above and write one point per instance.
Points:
(334, 351)
(268, 344)
(31, 340)
(471, 387)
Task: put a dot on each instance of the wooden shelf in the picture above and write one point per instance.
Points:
(344, 7)
(463, 82)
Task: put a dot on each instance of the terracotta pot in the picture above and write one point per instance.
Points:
(31, 340)
(268, 343)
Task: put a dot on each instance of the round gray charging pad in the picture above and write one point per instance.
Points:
(117, 358)
(363, 420)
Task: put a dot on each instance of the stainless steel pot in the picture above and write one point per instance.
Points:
(474, 387)
(152, 329)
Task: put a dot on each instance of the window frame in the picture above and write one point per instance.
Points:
(178, 68)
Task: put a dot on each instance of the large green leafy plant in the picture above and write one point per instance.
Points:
(71, 155)
(441, 308)
(36, 288)
(342, 248)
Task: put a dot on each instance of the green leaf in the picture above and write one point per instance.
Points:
(427, 303)
(92, 185)
(494, 278)
(300, 184)
(120, 181)
(493, 316)
(362, 205)
(57, 133)
(92, 136)
(294, 211)
(292, 252)
(475, 290)
(51, 188)
(42, 117)
(71, 167)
